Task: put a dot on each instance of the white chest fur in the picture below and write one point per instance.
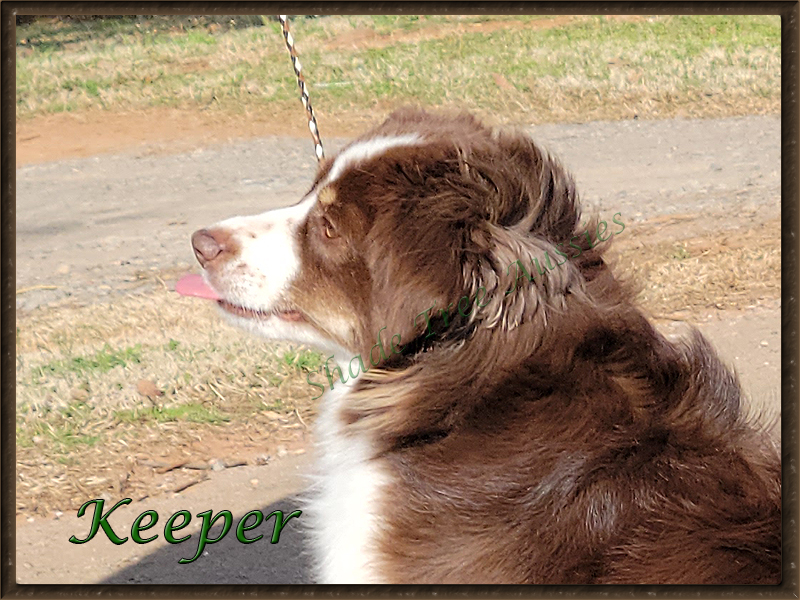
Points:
(343, 508)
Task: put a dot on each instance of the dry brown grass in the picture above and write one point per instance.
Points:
(213, 394)
(681, 277)
(571, 68)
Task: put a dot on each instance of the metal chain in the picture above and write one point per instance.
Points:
(312, 120)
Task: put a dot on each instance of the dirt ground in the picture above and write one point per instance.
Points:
(79, 135)
(112, 197)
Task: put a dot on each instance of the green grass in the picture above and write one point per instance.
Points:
(62, 432)
(79, 371)
(100, 362)
(62, 439)
(53, 34)
(192, 413)
(680, 253)
(307, 360)
(584, 67)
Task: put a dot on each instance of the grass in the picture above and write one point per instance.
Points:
(102, 361)
(79, 370)
(193, 413)
(62, 432)
(306, 361)
(733, 270)
(532, 68)
(680, 253)
(83, 420)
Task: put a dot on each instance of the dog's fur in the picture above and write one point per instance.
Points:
(552, 435)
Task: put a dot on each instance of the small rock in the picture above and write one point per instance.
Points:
(80, 394)
(262, 459)
(281, 451)
(62, 269)
(147, 388)
(765, 343)
(216, 464)
(30, 519)
(502, 82)
(254, 482)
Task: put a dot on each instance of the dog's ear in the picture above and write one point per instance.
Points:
(520, 279)
(529, 250)
(518, 185)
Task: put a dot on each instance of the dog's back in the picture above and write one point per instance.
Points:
(562, 439)
(629, 465)
(540, 432)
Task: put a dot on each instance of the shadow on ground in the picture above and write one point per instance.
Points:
(229, 561)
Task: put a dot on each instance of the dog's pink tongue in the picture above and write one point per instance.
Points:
(193, 285)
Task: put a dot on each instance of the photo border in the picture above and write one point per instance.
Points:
(790, 238)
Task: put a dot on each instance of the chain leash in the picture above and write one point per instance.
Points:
(301, 82)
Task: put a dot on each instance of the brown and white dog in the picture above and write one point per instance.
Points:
(549, 434)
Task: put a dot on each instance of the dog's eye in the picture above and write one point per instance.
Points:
(330, 231)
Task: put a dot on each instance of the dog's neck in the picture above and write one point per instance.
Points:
(439, 383)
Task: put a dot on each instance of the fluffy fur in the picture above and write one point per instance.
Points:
(552, 436)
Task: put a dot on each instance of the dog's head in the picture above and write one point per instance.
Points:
(424, 212)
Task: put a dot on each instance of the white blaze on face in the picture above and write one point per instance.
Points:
(363, 151)
(268, 260)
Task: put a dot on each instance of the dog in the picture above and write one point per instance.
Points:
(551, 436)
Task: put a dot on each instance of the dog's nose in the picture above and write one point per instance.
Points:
(206, 246)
